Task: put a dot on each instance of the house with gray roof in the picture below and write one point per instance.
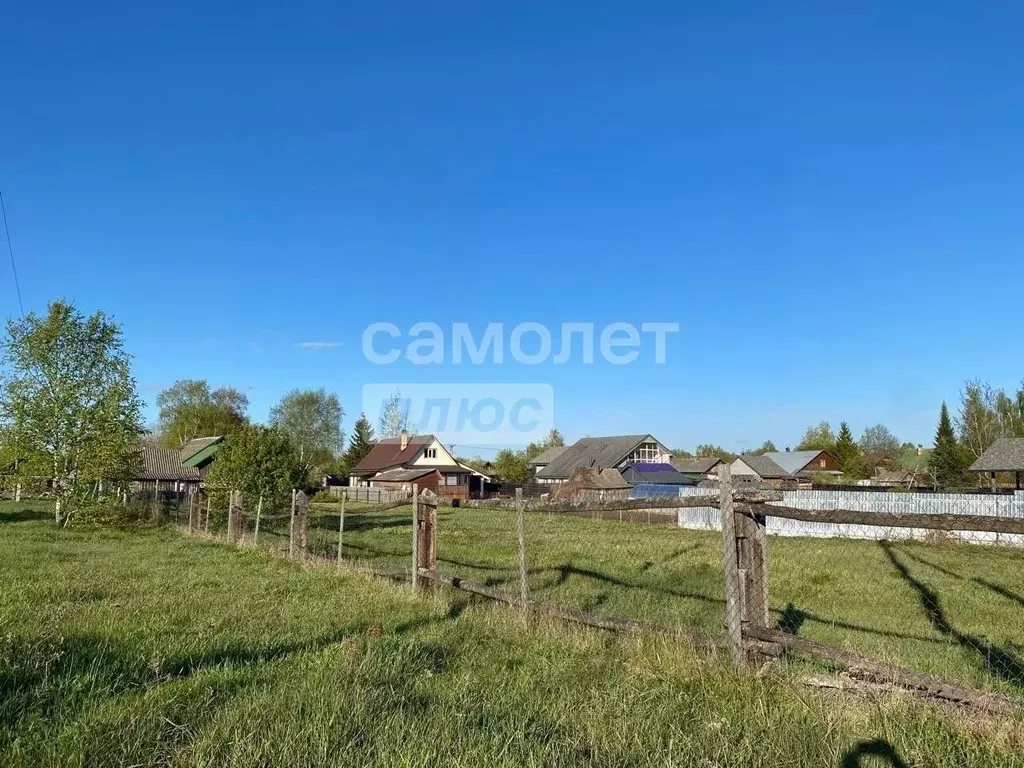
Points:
(611, 452)
(705, 468)
(1004, 455)
(545, 457)
(777, 467)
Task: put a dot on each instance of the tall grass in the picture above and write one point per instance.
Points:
(149, 648)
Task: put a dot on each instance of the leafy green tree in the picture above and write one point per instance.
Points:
(708, 451)
(259, 461)
(947, 462)
(189, 409)
(847, 453)
(69, 409)
(877, 441)
(681, 453)
(978, 420)
(394, 417)
(819, 437)
(360, 444)
(553, 439)
(766, 447)
(312, 420)
(512, 466)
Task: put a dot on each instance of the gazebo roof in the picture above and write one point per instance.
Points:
(1004, 455)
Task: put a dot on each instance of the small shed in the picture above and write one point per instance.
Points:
(1004, 455)
(427, 477)
(592, 484)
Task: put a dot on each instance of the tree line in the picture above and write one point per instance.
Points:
(70, 412)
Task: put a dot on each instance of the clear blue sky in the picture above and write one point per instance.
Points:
(833, 196)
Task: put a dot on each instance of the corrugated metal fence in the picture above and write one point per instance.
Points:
(893, 503)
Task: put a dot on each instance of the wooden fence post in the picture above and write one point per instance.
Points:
(524, 585)
(236, 517)
(424, 535)
(733, 582)
(752, 557)
(302, 523)
(341, 527)
(415, 535)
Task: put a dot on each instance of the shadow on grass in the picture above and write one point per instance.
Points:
(24, 515)
(358, 523)
(997, 660)
(999, 589)
(877, 748)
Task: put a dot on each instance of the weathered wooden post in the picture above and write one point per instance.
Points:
(425, 536)
(733, 582)
(191, 511)
(415, 536)
(524, 585)
(236, 517)
(209, 502)
(302, 523)
(752, 557)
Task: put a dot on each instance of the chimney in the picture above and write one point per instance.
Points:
(404, 438)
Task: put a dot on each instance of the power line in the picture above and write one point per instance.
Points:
(10, 250)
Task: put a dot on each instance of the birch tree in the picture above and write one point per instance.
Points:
(311, 419)
(69, 409)
(394, 416)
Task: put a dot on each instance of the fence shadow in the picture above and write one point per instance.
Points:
(995, 659)
(877, 748)
(999, 589)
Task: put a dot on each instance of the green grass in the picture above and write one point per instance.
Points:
(149, 648)
(954, 610)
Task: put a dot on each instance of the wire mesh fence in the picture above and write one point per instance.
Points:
(937, 593)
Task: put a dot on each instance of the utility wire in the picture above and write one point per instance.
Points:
(10, 250)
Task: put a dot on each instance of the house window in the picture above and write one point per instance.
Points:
(430, 453)
(821, 463)
(645, 453)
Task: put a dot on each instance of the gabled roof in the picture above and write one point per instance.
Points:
(792, 461)
(548, 455)
(1004, 455)
(764, 466)
(160, 463)
(655, 474)
(196, 451)
(696, 466)
(388, 453)
(591, 478)
(592, 452)
(403, 475)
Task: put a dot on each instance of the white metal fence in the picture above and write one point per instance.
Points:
(891, 503)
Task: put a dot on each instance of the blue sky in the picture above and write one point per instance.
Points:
(829, 195)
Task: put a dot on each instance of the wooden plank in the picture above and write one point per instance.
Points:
(415, 536)
(983, 523)
(878, 671)
(733, 594)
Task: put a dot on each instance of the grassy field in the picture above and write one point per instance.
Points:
(150, 648)
(952, 609)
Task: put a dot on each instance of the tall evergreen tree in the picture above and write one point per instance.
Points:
(846, 452)
(948, 462)
(362, 442)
